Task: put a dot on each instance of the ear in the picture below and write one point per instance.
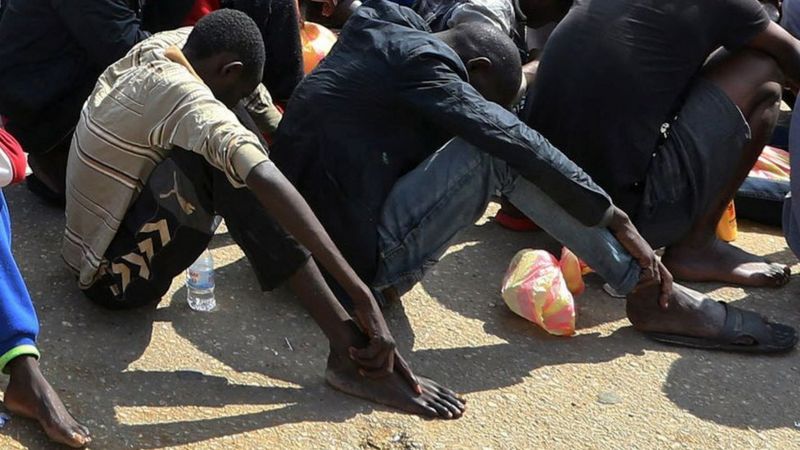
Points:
(232, 69)
(480, 63)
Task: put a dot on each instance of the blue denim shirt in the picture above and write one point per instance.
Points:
(388, 95)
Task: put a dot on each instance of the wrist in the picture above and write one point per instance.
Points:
(619, 219)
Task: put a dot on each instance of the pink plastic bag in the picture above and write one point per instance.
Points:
(536, 288)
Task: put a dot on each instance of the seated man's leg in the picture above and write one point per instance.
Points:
(690, 319)
(28, 393)
(451, 189)
(50, 171)
(276, 256)
(718, 164)
(428, 207)
(449, 192)
(163, 233)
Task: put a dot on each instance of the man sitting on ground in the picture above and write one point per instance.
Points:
(28, 393)
(626, 89)
(363, 136)
(50, 57)
(157, 154)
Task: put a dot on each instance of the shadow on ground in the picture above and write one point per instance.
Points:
(88, 352)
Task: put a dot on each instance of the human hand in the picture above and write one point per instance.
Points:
(380, 357)
(652, 269)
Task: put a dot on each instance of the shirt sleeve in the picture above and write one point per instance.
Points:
(740, 21)
(431, 87)
(263, 111)
(189, 117)
(105, 29)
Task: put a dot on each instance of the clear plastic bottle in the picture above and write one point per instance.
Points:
(200, 283)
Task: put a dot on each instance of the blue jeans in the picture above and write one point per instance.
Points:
(449, 191)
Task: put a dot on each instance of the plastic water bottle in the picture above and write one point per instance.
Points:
(200, 283)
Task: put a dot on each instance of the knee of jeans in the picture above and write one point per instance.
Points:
(503, 175)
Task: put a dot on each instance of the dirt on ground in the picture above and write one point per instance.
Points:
(250, 375)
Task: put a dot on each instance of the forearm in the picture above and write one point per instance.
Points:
(290, 210)
(463, 112)
(317, 298)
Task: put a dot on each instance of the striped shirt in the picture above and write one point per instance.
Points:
(144, 105)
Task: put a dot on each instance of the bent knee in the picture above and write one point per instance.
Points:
(750, 78)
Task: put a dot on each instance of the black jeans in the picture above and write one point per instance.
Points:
(171, 223)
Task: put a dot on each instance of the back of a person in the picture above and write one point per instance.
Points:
(345, 119)
(615, 71)
(35, 45)
(115, 146)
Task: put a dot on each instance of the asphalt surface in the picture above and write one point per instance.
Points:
(250, 375)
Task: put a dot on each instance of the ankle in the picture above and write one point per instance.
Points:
(23, 366)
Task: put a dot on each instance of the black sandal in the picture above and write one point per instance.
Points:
(744, 331)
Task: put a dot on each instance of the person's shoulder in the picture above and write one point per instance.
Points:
(387, 12)
(157, 43)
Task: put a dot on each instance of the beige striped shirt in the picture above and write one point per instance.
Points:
(144, 105)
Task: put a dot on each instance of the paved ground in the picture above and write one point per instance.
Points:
(170, 377)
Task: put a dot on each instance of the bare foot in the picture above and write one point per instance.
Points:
(723, 262)
(690, 313)
(434, 402)
(30, 395)
(693, 320)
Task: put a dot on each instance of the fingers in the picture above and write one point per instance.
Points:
(666, 286)
(375, 356)
(404, 370)
(383, 370)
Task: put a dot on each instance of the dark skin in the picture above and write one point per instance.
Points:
(752, 78)
(30, 395)
(656, 304)
(364, 360)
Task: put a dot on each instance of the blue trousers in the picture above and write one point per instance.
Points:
(450, 190)
(18, 323)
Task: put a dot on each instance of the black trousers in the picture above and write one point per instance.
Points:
(172, 222)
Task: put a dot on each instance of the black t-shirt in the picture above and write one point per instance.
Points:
(614, 71)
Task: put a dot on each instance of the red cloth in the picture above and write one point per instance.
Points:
(200, 9)
(13, 149)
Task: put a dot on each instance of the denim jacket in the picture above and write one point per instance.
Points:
(388, 96)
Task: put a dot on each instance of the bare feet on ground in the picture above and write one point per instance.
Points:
(720, 261)
(690, 313)
(434, 402)
(30, 395)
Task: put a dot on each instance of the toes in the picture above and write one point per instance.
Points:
(452, 398)
(433, 386)
(780, 274)
(455, 407)
(85, 431)
(442, 410)
(426, 410)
